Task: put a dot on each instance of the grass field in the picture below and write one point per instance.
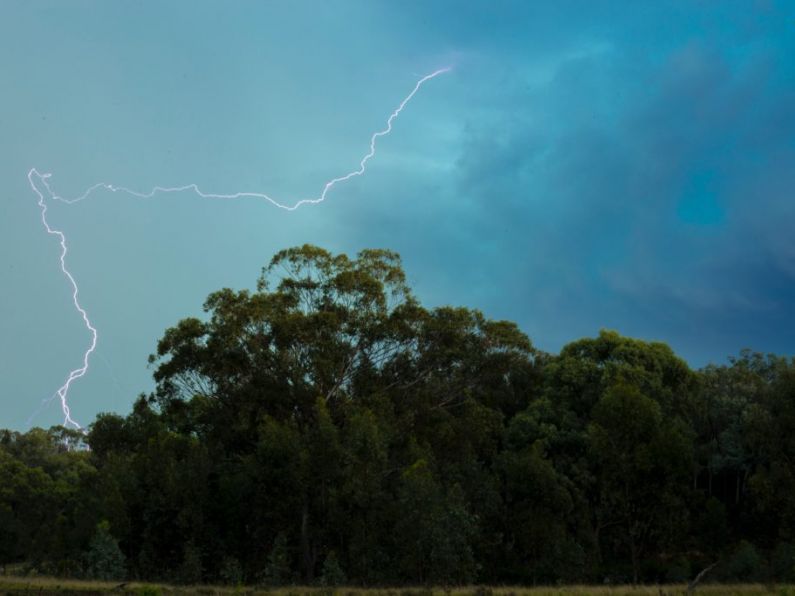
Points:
(40, 585)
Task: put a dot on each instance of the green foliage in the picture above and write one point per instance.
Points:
(191, 569)
(678, 572)
(104, 560)
(332, 574)
(231, 572)
(434, 531)
(278, 571)
(326, 428)
(712, 526)
(745, 563)
(783, 562)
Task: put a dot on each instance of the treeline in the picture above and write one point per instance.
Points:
(326, 428)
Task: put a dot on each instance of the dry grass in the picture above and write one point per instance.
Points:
(44, 585)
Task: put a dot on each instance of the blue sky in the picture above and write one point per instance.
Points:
(586, 165)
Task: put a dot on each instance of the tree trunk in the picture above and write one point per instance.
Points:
(308, 555)
(737, 491)
(635, 565)
(635, 554)
(691, 587)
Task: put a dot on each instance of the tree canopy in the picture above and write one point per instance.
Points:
(325, 427)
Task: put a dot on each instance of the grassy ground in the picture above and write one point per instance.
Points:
(40, 585)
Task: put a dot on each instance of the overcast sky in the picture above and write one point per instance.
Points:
(626, 165)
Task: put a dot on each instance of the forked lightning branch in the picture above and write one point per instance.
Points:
(40, 183)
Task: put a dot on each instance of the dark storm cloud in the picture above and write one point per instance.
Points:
(601, 180)
(586, 164)
(656, 198)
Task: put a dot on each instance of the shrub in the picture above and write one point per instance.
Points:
(104, 560)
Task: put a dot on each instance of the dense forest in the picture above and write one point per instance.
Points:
(326, 428)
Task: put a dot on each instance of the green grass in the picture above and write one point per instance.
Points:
(44, 585)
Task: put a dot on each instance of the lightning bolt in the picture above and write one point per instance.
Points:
(75, 374)
(43, 178)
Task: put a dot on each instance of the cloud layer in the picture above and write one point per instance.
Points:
(586, 165)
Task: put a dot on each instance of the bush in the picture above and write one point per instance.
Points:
(332, 574)
(783, 562)
(104, 560)
(231, 571)
(277, 571)
(679, 572)
(745, 564)
(190, 571)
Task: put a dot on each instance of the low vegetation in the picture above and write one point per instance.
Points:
(61, 587)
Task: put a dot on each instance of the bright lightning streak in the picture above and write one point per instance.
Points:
(63, 390)
(239, 195)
